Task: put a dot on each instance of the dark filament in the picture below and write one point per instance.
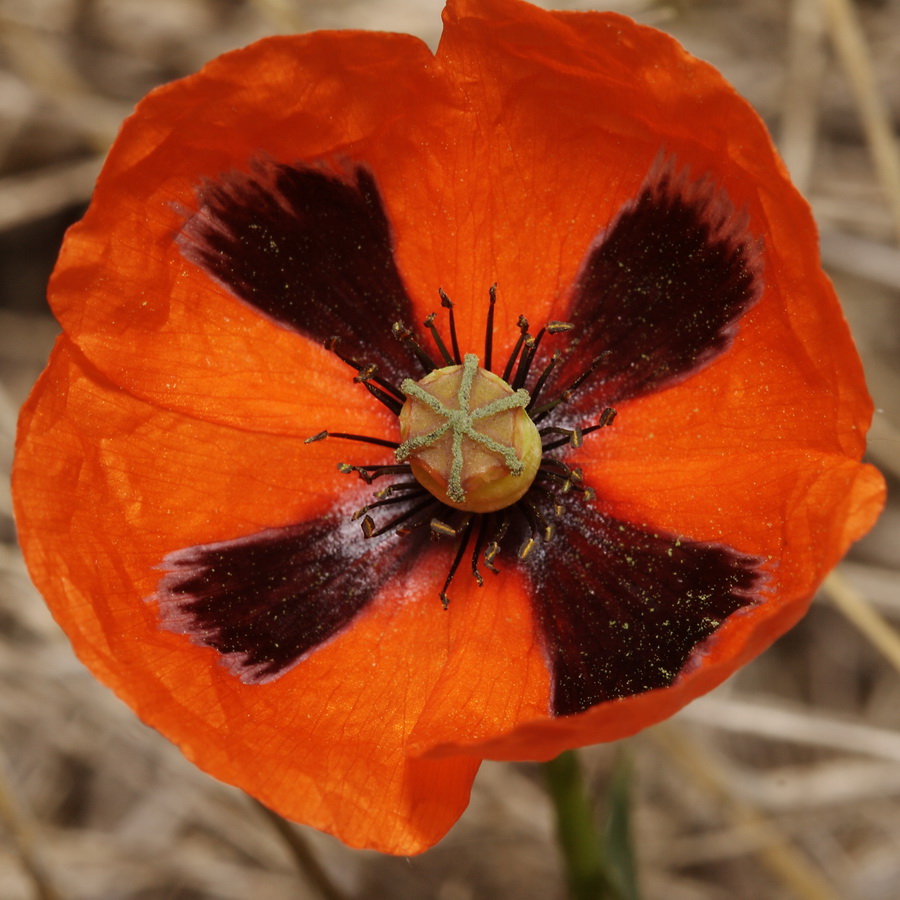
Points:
(438, 340)
(489, 330)
(447, 303)
(485, 532)
(382, 390)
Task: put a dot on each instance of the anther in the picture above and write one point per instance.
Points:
(442, 529)
(405, 487)
(522, 325)
(366, 373)
(438, 340)
(369, 473)
(573, 436)
(405, 336)
(447, 303)
(490, 554)
(489, 328)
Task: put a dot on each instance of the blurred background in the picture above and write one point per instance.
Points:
(785, 783)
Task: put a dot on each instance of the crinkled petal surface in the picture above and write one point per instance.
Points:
(172, 412)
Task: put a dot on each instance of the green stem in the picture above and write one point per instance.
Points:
(579, 838)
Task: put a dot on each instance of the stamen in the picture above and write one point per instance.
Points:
(565, 483)
(606, 419)
(526, 548)
(542, 379)
(541, 411)
(554, 327)
(573, 436)
(406, 521)
(359, 438)
(524, 362)
(447, 303)
(442, 529)
(535, 526)
(522, 325)
(489, 329)
(466, 529)
(558, 463)
(438, 340)
(365, 374)
(567, 476)
(385, 501)
(390, 402)
(400, 487)
(405, 336)
(476, 549)
(421, 514)
(550, 499)
(493, 548)
(539, 518)
(332, 343)
(369, 473)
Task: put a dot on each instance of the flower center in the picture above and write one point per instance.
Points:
(467, 437)
(475, 462)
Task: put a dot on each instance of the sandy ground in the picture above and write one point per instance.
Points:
(785, 783)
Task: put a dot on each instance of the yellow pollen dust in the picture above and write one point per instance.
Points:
(468, 438)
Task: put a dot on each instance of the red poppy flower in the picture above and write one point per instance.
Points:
(256, 268)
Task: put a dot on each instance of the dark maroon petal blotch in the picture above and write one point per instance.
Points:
(310, 249)
(266, 600)
(661, 290)
(622, 608)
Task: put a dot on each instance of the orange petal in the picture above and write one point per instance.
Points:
(121, 280)
(570, 110)
(106, 485)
